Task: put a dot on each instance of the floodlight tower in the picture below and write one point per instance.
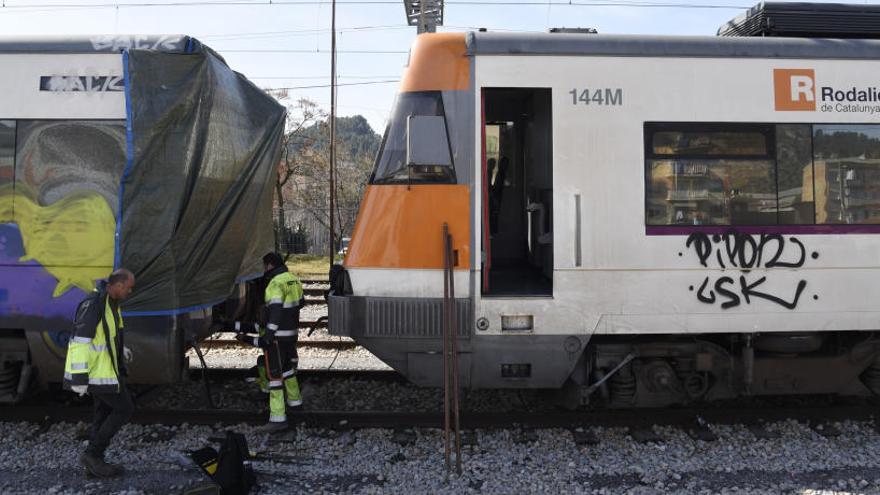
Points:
(426, 14)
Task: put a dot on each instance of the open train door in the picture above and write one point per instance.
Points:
(517, 193)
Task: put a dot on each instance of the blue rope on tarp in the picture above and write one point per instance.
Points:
(129, 160)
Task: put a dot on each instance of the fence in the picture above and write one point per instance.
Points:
(303, 233)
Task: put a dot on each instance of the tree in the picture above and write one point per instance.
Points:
(300, 117)
(303, 172)
(356, 147)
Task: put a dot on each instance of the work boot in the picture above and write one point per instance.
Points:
(273, 427)
(96, 466)
(117, 469)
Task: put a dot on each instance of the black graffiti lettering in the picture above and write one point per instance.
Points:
(746, 252)
(800, 262)
(742, 242)
(749, 290)
(701, 297)
(731, 250)
(720, 261)
(702, 245)
(732, 298)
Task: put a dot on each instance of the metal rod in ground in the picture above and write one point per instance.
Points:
(446, 418)
(453, 339)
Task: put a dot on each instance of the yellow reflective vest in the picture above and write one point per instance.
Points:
(284, 296)
(92, 354)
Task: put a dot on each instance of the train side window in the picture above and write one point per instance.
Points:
(56, 157)
(710, 174)
(794, 172)
(7, 151)
(846, 164)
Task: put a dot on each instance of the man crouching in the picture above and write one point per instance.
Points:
(94, 366)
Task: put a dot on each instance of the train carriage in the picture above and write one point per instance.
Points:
(669, 218)
(146, 152)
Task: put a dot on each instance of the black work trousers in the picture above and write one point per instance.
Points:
(112, 412)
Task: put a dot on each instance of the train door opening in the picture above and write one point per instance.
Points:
(517, 195)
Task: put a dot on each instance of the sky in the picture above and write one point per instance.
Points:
(286, 43)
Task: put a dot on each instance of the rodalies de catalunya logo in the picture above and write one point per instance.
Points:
(795, 90)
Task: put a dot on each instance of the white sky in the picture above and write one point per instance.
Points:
(257, 25)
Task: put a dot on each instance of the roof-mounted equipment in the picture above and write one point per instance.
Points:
(806, 20)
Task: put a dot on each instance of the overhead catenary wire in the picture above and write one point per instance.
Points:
(329, 85)
(282, 3)
(294, 32)
(286, 78)
(294, 50)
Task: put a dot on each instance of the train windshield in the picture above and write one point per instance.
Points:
(391, 162)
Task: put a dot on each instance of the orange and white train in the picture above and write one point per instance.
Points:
(654, 219)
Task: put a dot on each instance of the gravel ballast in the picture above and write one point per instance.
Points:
(377, 461)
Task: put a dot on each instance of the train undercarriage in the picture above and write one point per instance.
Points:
(658, 371)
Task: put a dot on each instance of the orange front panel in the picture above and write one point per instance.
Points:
(438, 62)
(401, 227)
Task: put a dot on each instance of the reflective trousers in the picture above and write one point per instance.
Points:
(281, 362)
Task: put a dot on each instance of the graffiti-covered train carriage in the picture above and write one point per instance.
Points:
(146, 152)
(657, 219)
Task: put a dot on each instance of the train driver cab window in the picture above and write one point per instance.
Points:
(517, 193)
(415, 148)
(710, 174)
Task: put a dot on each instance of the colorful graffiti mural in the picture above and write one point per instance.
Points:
(72, 238)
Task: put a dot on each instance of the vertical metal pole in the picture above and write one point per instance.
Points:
(453, 338)
(446, 367)
(332, 133)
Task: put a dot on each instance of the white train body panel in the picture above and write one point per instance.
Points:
(633, 283)
(74, 86)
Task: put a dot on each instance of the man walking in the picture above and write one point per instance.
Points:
(94, 366)
(284, 297)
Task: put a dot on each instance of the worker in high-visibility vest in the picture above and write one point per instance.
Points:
(94, 366)
(284, 298)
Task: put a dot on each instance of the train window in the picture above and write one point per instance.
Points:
(391, 161)
(56, 157)
(710, 143)
(846, 164)
(720, 176)
(7, 150)
(794, 172)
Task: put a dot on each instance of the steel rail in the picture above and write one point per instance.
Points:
(307, 374)
(633, 419)
(340, 345)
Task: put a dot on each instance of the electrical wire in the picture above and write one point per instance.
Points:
(294, 50)
(321, 77)
(279, 3)
(297, 32)
(328, 85)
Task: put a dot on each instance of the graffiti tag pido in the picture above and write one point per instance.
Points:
(745, 253)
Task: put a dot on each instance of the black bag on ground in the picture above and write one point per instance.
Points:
(231, 468)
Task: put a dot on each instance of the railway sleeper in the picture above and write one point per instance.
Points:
(660, 371)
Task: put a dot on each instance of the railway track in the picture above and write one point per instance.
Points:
(640, 422)
(340, 345)
(305, 374)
